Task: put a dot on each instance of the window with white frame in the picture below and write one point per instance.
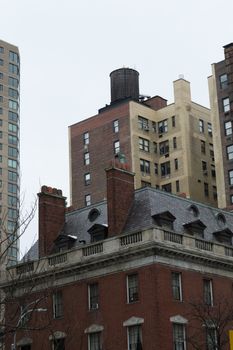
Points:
(179, 342)
(132, 288)
(176, 286)
(208, 292)
(144, 144)
(116, 126)
(117, 147)
(86, 138)
(87, 179)
(201, 126)
(143, 123)
(87, 200)
(228, 128)
(209, 128)
(94, 340)
(57, 304)
(226, 104)
(93, 296)
(135, 337)
(230, 152)
(86, 158)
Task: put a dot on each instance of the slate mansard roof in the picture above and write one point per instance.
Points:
(148, 204)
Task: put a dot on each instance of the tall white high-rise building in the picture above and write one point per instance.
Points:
(9, 150)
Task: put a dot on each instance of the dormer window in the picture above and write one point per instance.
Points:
(195, 228)
(194, 210)
(221, 219)
(224, 236)
(98, 232)
(164, 219)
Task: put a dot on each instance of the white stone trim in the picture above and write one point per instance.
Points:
(57, 335)
(94, 328)
(24, 341)
(133, 321)
(178, 319)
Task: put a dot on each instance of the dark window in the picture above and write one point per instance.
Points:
(145, 184)
(162, 126)
(207, 292)
(13, 68)
(215, 195)
(145, 166)
(176, 286)
(174, 143)
(173, 121)
(59, 344)
(135, 338)
(156, 168)
(93, 290)
(176, 163)
(13, 82)
(57, 304)
(206, 189)
(13, 56)
(223, 81)
(202, 146)
(179, 342)
(177, 186)
(132, 282)
(167, 187)
(213, 173)
(165, 169)
(204, 168)
(164, 147)
(95, 341)
(144, 144)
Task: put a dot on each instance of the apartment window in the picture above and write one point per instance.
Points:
(213, 172)
(12, 140)
(177, 186)
(174, 143)
(145, 184)
(57, 304)
(93, 291)
(1, 75)
(230, 176)
(209, 128)
(143, 123)
(144, 145)
(0, 134)
(173, 121)
(215, 194)
(86, 158)
(1, 87)
(162, 126)
(58, 344)
(1, 62)
(211, 338)
(116, 126)
(223, 81)
(87, 179)
(117, 147)
(207, 292)
(13, 93)
(167, 187)
(12, 128)
(12, 188)
(206, 189)
(1, 99)
(228, 128)
(176, 164)
(94, 340)
(155, 147)
(154, 128)
(12, 152)
(13, 82)
(12, 201)
(135, 338)
(13, 116)
(12, 214)
(165, 169)
(132, 287)
(12, 163)
(164, 147)
(145, 166)
(1, 110)
(201, 125)
(86, 138)
(179, 342)
(14, 57)
(13, 69)
(12, 176)
(156, 168)
(87, 200)
(226, 104)
(1, 49)
(203, 149)
(13, 105)
(176, 286)
(204, 168)
(230, 152)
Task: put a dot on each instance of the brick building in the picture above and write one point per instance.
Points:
(221, 99)
(143, 270)
(169, 147)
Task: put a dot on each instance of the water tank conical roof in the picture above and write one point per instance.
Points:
(124, 84)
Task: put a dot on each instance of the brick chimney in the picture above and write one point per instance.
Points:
(120, 195)
(51, 217)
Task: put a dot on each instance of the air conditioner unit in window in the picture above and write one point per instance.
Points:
(95, 306)
(146, 127)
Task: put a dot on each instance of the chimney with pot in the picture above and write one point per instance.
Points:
(52, 206)
(120, 195)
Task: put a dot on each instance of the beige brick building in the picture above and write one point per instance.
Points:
(169, 147)
(9, 147)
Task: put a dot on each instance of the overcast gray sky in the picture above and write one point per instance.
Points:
(69, 47)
